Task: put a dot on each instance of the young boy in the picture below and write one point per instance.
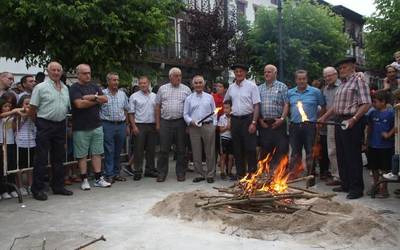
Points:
(224, 125)
(380, 135)
(396, 62)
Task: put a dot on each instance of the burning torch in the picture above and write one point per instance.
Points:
(344, 125)
(209, 115)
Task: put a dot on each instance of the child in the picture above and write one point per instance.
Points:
(7, 141)
(380, 139)
(224, 125)
(396, 62)
(25, 139)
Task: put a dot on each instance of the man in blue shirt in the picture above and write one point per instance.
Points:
(302, 134)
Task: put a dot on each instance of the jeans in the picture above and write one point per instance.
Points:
(302, 136)
(395, 164)
(114, 139)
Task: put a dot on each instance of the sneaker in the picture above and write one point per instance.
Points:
(14, 194)
(102, 183)
(85, 185)
(23, 191)
(6, 196)
(391, 176)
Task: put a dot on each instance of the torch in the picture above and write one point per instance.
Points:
(209, 115)
(344, 125)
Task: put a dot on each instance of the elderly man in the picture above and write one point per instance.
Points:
(113, 117)
(87, 98)
(245, 99)
(50, 103)
(197, 106)
(329, 91)
(6, 80)
(274, 110)
(170, 100)
(28, 82)
(302, 135)
(142, 120)
(352, 101)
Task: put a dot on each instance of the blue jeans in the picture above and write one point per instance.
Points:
(395, 164)
(302, 135)
(114, 139)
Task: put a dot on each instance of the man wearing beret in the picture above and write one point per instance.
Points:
(352, 101)
(245, 98)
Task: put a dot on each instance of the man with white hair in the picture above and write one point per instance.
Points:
(50, 104)
(329, 91)
(197, 106)
(170, 123)
(6, 80)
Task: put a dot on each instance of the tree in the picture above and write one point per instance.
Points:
(106, 34)
(312, 39)
(383, 34)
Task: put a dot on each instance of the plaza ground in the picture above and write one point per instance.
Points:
(120, 213)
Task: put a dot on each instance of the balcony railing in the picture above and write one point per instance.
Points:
(176, 53)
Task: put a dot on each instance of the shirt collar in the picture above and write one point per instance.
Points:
(273, 83)
(307, 89)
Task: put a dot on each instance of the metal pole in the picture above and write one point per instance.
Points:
(280, 40)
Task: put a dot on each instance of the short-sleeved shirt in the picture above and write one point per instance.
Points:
(351, 94)
(51, 104)
(143, 105)
(198, 106)
(115, 107)
(311, 98)
(88, 118)
(380, 121)
(243, 97)
(273, 99)
(223, 122)
(171, 99)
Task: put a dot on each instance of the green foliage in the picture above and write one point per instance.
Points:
(110, 35)
(312, 39)
(383, 34)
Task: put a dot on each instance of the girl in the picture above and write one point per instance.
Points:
(25, 139)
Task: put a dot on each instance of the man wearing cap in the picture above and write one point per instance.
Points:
(245, 99)
(352, 101)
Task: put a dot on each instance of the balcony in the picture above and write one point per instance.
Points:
(174, 54)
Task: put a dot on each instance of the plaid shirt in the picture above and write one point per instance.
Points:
(273, 98)
(114, 109)
(352, 93)
(172, 100)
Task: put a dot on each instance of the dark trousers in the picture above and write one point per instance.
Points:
(324, 159)
(169, 130)
(144, 147)
(50, 137)
(274, 139)
(302, 136)
(244, 145)
(348, 151)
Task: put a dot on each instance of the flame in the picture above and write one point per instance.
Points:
(303, 114)
(265, 181)
(217, 110)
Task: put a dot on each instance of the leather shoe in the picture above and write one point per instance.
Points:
(339, 189)
(352, 196)
(137, 177)
(160, 178)
(334, 183)
(150, 174)
(40, 196)
(180, 178)
(198, 179)
(210, 180)
(63, 192)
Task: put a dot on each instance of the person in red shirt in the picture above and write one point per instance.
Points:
(218, 95)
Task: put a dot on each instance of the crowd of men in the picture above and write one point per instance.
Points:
(258, 116)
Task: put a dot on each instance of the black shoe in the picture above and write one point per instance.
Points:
(180, 178)
(40, 196)
(137, 177)
(150, 174)
(210, 180)
(63, 192)
(397, 191)
(339, 189)
(352, 196)
(198, 179)
(160, 178)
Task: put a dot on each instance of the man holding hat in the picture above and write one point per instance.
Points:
(245, 98)
(352, 101)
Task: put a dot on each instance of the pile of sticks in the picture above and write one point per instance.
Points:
(234, 200)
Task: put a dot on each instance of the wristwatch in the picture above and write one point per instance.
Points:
(253, 122)
(95, 97)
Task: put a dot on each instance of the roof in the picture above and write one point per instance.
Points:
(345, 12)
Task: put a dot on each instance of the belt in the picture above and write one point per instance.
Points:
(270, 121)
(302, 124)
(113, 122)
(207, 122)
(343, 117)
(242, 117)
(172, 120)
